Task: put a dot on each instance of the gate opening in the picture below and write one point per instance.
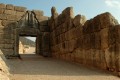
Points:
(27, 45)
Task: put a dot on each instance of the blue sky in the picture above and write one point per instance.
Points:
(89, 8)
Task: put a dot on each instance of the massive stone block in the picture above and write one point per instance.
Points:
(68, 12)
(3, 16)
(9, 7)
(10, 12)
(19, 8)
(79, 20)
(38, 12)
(104, 38)
(2, 11)
(107, 20)
(2, 6)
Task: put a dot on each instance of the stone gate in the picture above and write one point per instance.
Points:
(16, 21)
(94, 42)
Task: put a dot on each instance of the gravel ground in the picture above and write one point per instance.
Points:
(33, 67)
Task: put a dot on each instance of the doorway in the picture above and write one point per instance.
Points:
(27, 45)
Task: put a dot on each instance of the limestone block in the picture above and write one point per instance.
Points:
(64, 28)
(93, 41)
(0, 22)
(7, 36)
(2, 11)
(44, 23)
(9, 7)
(10, 12)
(8, 41)
(71, 33)
(104, 38)
(68, 12)
(79, 20)
(44, 28)
(96, 24)
(117, 57)
(79, 42)
(6, 23)
(66, 36)
(3, 16)
(59, 30)
(96, 56)
(78, 55)
(20, 13)
(103, 60)
(2, 28)
(86, 27)
(20, 9)
(88, 57)
(2, 46)
(54, 13)
(2, 6)
(69, 23)
(42, 18)
(117, 33)
(63, 37)
(78, 32)
(2, 41)
(11, 17)
(7, 51)
(72, 45)
(110, 58)
(86, 42)
(8, 46)
(38, 12)
(112, 35)
(97, 41)
(67, 46)
(107, 20)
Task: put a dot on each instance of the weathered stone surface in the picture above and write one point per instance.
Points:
(3, 16)
(68, 12)
(54, 13)
(44, 23)
(7, 51)
(11, 17)
(6, 23)
(38, 12)
(117, 33)
(42, 18)
(9, 7)
(79, 20)
(1, 11)
(2, 29)
(44, 28)
(19, 8)
(20, 13)
(8, 46)
(2, 6)
(10, 12)
(107, 20)
(104, 38)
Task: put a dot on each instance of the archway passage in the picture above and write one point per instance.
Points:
(27, 45)
(28, 25)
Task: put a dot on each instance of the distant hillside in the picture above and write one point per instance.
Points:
(26, 41)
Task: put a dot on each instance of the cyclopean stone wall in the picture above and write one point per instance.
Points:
(9, 17)
(93, 42)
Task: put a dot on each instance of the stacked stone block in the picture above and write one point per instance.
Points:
(9, 14)
(94, 42)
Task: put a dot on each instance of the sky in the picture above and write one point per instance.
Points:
(89, 8)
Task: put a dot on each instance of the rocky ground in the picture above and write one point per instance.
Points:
(4, 73)
(33, 67)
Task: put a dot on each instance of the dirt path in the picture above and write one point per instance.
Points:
(34, 67)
